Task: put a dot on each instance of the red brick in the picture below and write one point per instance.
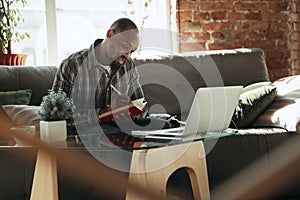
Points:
(221, 15)
(202, 36)
(236, 16)
(278, 63)
(240, 26)
(278, 26)
(272, 16)
(213, 6)
(250, 6)
(187, 5)
(237, 35)
(191, 26)
(276, 74)
(276, 35)
(216, 46)
(267, 24)
(201, 16)
(276, 55)
(184, 36)
(186, 16)
(256, 35)
(281, 44)
(279, 6)
(186, 47)
(263, 44)
(261, 26)
(253, 16)
(216, 26)
(218, 36)
(275, 64)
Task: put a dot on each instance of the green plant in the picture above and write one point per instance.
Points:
(56, 106)
(10, 18)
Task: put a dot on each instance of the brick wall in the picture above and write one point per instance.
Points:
(295, 36)
(273, 25)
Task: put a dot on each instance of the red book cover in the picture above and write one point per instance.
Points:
(136, 108)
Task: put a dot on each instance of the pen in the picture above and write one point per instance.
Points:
(116, 90)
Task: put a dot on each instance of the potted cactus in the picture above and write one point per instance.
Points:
(10, 19)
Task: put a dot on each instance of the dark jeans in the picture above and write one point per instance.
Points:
(141, 123)
(119, 127)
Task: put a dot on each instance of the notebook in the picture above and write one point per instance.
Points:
(211, 111)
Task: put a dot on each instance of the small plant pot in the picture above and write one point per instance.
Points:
(53, 131)
(13, 59)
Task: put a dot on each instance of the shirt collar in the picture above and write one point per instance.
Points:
(94, 56)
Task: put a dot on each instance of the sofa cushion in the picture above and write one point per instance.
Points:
(15, 97)
(284, 111)
(253, 101)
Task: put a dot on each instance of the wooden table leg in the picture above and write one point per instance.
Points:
(190, 157)
(45, 178)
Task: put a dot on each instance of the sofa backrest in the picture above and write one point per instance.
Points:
(39, 79)
(170, 82)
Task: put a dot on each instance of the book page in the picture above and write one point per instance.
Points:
(136, 106)
(139, 103)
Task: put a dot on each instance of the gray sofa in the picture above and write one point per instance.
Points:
(170, 82)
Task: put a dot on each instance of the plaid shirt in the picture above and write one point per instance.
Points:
(84, 79)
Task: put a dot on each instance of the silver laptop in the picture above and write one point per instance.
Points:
(211, 111)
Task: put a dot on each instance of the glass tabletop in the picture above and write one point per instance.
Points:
(123, 142)
(126, 142)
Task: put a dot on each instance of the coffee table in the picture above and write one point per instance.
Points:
(152, 163)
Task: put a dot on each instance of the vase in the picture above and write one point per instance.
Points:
(53, 130)
(13, 59)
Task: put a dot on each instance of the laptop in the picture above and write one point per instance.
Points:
(211, 111)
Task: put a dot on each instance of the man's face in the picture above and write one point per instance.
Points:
(122, 45)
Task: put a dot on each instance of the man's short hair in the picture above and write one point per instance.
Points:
(123, 24)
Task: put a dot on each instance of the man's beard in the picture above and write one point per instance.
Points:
(120, 60)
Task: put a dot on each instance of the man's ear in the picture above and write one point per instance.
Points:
(109, 33)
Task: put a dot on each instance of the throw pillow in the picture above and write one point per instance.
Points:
(284, 112)
(24, 115)
(287, 85)
(19, 97)
(253, 101)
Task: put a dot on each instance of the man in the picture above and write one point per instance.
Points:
(87, 76)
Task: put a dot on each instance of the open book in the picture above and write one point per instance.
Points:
(135, 108)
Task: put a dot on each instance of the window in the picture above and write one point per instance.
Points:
(34, 47)
(59, 28)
